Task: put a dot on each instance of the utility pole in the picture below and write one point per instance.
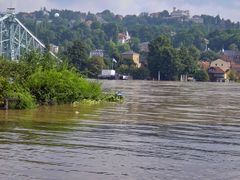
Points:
(159, 76)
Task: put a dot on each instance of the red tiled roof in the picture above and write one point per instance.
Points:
(215, 70)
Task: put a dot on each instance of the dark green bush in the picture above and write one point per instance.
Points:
(201, 75)
(21, 100)
(52, 86)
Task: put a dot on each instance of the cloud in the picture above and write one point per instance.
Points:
(226, 9)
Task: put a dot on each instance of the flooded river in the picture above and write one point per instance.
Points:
(163, 130)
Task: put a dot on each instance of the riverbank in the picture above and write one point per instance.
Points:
(42, 80)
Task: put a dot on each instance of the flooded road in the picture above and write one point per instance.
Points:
(163, 130)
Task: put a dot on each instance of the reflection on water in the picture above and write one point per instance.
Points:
(164, 130)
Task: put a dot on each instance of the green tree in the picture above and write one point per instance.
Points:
(141, 73)
(188, 60)
(95, 65)
(78, 55)
(112, 50)
(233, 47)
(232, 75)
(201, 75)
(209, 56)
(163, 58)
(111, 29)
(123, 47)
(134, 44)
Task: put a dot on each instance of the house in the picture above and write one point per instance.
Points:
(218, 70)
(124, 37)
(133, 56)
(222, 64)
(216, 74)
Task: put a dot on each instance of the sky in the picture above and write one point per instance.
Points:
(227, 9)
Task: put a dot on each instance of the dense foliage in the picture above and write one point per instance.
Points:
(201, 75)
(185, 41)
(170, 62)
(42, 79)
(100, 31)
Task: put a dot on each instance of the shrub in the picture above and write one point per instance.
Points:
(52, 86)
(21, 100)
(201, 75)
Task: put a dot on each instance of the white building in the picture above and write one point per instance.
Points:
(97, 53)
(124, 37)
(177, 13)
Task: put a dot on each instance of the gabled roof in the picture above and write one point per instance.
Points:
(220, 61)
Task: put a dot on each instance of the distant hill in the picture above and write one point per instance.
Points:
(98, 31)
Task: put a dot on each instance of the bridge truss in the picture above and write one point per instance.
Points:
(16, 39)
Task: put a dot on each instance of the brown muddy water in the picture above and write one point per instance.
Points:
(163, 130)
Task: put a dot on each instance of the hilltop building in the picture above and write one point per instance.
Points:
(177, 13)
(124, 37)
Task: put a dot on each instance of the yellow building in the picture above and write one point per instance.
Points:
(219, 70)
(221, 63)
(133, 56)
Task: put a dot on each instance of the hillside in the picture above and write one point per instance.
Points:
(62, 27)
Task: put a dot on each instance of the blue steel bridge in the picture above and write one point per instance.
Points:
(15, 38)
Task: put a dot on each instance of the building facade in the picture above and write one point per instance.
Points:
(133, 56)
(221, 64)
(177, 13)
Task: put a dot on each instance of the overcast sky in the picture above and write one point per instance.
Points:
(228, 9)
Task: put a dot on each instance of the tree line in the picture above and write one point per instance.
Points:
(186, 41)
